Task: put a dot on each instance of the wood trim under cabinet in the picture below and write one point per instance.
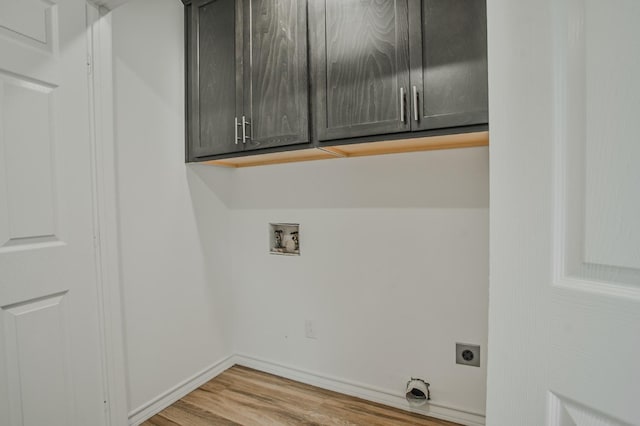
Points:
(273, 158)
(464, 140)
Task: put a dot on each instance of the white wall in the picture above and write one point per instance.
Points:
(394, 269)
(173, 227)
(394, 265)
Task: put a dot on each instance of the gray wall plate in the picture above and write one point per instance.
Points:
(467, 354)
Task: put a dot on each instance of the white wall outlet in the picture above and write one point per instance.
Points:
(310, 329)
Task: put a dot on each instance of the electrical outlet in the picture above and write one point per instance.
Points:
(468, 354)
(310, 329)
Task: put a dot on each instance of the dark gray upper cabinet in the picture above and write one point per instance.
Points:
(213, 95)
(448, 63)
(276, 101)
(363, 70)
(247, 85)
(360, 67)
(383, 66)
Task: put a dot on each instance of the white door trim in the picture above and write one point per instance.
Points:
(105, 206)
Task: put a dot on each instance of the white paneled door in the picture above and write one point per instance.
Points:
(564, 328)
(50, 345)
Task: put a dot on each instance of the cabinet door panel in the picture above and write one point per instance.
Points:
(448, 62)
(360, 64)
(212, 78)
(276, 73)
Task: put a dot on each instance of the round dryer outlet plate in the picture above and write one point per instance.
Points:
(467, 354)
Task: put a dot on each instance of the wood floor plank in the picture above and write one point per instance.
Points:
(182, 413)
(244, 397)
(159, 420)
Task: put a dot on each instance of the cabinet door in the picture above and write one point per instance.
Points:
(360, 68)
(276, 99)
(214, 77)
(448, 62)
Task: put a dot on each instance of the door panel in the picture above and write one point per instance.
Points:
(30, 22)
(600, 102)
(596, 283)
(27, 204)
(360, 55)
(448, 62)
(37, 361)
(565, 267)
(213, 83)
(276, 83)
(50, 348)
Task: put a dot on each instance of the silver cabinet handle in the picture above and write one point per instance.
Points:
(245, 123)
(403, 107)
(236, 130)
(244, 132)
(415, 103)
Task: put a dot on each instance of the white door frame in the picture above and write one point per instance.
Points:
(99, 57)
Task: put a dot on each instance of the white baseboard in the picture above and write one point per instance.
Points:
(433, 409)
(153, 407)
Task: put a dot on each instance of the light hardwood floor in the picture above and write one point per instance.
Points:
(242, 396)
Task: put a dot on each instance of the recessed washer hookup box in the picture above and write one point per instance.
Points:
(284, 239)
